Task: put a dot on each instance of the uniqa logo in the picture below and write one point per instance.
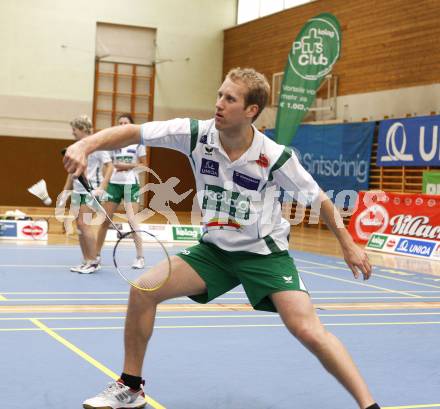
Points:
(396, 153)
(405, 246)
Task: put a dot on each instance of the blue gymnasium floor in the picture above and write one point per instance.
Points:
(61, 338)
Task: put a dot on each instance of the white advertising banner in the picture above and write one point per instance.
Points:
(23, 229)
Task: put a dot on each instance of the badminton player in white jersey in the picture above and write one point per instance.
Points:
(99, 170)
(235, 167)
(124, 186)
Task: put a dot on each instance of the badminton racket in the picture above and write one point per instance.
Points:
(129, 254)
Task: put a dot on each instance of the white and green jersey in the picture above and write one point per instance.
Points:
(239, 199)
(128, 154)
(95, 162)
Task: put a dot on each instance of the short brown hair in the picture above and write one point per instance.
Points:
(258, 86)
(83, 123)
(128, 116)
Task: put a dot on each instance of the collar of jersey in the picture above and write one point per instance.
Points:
(252, 154)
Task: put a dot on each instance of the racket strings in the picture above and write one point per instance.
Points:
(126, 254)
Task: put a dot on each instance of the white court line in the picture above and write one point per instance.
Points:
(230, 292)
(353, 281)
(249, 316)
(374, 274)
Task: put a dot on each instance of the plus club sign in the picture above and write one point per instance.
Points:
(309, 42)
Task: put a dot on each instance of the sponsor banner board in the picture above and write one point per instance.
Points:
(390, 243)
(187, 233)
(414, 216)
(23, 229)
(409, 142)
(431, 183)
(164, 232)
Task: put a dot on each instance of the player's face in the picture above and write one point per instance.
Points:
(78, 133)
(124, 121)
(230, 111)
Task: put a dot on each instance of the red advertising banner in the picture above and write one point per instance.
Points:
(403, 214)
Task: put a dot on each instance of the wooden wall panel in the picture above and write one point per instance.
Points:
(386, 44)
(26, 161)
(168, 163)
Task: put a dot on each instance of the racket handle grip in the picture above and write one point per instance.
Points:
(85, 183)
(81, 178)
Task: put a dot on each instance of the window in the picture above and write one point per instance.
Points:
(252, 9)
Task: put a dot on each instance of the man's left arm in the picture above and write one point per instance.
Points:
(355, 257)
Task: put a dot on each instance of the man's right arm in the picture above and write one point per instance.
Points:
(75, 159)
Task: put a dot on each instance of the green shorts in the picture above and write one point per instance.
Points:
(116, 193)
(78, 199)
(260, 275)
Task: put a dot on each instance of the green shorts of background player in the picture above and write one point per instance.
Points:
(128, 195)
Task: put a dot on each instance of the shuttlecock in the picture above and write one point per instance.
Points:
(40, 190)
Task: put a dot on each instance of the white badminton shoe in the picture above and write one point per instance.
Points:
(75, 269)
(89, 267)
(117, 396)
(138, 263)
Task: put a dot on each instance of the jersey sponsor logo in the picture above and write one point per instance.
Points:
(228, 202)
(209, 167)
(263, 161)
(208, 150)
(124, 158)
(245, 181)
(415, 247)
(204, 139)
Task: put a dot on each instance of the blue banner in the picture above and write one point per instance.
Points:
(8, 228)
(409, 142)
(337, 156)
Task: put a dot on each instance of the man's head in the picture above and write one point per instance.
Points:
(257, 85)
(242, 96)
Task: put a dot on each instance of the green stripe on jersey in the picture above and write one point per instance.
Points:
(284, 157)
(194, 126)
(271, 244)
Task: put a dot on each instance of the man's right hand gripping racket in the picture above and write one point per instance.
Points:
(130, 247)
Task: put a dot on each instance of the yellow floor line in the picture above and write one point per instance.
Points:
(88, 358)
(3, 298)
(118, 308)
(113, 328)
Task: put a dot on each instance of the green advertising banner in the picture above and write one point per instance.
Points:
(312, 56)
(431, 183)
(186, 233)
